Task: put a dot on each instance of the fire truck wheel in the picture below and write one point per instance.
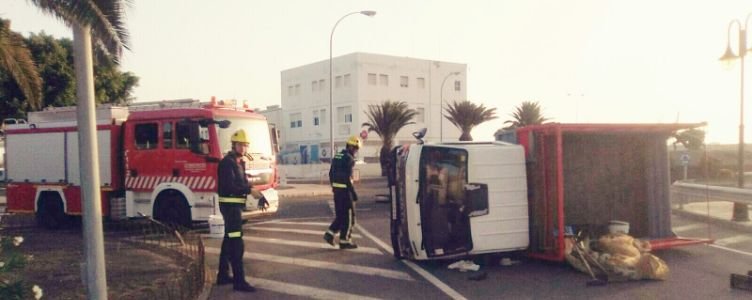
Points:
(50, 212)
(171, 208)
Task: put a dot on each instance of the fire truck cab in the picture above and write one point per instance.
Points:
(157, 159)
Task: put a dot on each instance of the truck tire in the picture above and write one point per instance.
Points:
(172, 209)
(50, 212)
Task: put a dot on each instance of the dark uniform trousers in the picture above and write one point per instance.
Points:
(344, 218)
(232, 244)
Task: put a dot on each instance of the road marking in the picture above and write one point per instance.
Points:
(730, 250)
(300, 231)
(733, 240)
(362, 270)
(297, 223)
(689, 227)
(302, 290)
(320, 245)
(449, 291)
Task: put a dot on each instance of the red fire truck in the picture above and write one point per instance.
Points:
(156, 159)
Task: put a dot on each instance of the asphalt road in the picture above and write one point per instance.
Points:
(286, 258)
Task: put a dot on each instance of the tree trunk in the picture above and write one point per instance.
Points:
(466, 136)
(96, 283)
(385, 159)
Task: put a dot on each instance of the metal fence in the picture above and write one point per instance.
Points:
(682, 193)
(145, 259)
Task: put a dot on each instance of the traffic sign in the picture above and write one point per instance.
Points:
(685, 159)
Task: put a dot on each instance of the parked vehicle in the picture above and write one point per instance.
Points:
(545, 181)
(158, 159)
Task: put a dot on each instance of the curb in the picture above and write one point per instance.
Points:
(728, 224)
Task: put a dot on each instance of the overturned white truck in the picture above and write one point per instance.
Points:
(467, 198)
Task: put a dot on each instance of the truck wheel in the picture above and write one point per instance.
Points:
(172, 209)
(50, 212)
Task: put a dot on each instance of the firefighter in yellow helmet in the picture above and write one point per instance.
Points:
(340, 174)
(233, 187)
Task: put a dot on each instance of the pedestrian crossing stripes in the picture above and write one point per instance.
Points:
(317, 245)
(689, 227)
(297, 223)
(299, 231)
(302, 290)
(348, 268)
(733, 240)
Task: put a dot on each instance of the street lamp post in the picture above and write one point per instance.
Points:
(741, 211)
(441, 107)
(369, 13)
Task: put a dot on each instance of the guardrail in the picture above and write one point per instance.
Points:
(683, 192)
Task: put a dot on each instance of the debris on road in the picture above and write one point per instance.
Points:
(464, 266)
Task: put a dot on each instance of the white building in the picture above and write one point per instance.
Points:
(360, 80)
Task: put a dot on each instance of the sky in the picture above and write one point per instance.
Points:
(584, 61)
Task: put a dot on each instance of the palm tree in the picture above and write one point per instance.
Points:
(386, 120)
(104, 21)
(15, 58)
(465, 115)
(528, 113)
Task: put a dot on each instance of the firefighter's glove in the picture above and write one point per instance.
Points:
(263, 204)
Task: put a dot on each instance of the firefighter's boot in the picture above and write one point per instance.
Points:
(244, 287)
(329, 238)
(345, 245)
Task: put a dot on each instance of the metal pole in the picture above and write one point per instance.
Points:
(441, 106)
(741, 211)
(96, 277)
(331, 102)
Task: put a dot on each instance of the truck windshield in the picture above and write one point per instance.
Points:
(257, 131)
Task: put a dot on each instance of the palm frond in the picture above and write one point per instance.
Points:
(105, 17)
(16, 59)
(528, 113)
(465, 115)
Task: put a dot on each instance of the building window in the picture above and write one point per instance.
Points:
(457, 85)
(315, 118)
(344, 114)
(296, 120)
(323, 116)
(322, 85)
(371, 79)
(421, 82)
(384, 79)
(338, 82)
(347, 80)
(146, 136)
(421, 116)
(403, 81)
(289, 90)
(314, 86)
(297, 89)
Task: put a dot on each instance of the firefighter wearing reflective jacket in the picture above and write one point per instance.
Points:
(233, 189)
(340, 174)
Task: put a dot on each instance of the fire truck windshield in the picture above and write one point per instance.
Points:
(258, 133)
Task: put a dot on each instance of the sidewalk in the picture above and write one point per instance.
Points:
(715, 212)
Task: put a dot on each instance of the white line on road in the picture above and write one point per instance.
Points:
(321, 245)
(362, 270)
(300, 231)
(302, 290)
(689, 227)
(297, 223)
(733, 240)
(422, 272)
(730, 250)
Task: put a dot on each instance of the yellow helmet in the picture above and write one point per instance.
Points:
(355, 142)
(240, 137)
